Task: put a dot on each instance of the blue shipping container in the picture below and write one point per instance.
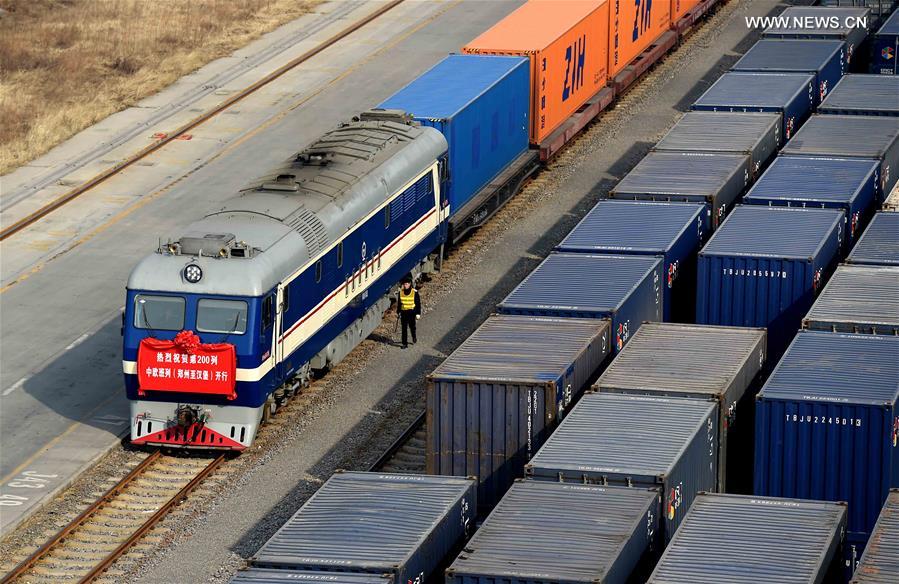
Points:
(879, 243)
(736, 539)
(495, 400)
(674, 231)
(827, 424)
(636, 441)
(848, 184)
(858, 299)
(404, 525)
(480, 104)
(764, 266)
(547, 533)
(823, 22)
(824, 59)
(885, 47)
(880, 562)
(790, 94)
(863, 95)
(874, 138)
(625, 289)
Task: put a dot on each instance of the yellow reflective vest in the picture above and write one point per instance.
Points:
(407, 301)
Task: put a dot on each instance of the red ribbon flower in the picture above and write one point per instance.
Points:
(187, 341)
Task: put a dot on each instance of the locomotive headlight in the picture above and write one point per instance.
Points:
(193, 273)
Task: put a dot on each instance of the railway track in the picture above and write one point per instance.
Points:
(77, 191)
(407, 454)
(85, 548)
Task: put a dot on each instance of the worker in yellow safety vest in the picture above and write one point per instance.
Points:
(408, 307)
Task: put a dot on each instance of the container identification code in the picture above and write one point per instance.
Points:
(755, 273)
(836, 421)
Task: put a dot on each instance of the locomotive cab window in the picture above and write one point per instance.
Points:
(164, 313)
(222, 316)
(268, 315)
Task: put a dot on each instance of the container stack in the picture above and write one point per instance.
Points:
(885, 47)
(880, 562)
(864, 95)
(858, 300)
(814, 22)
(879, 244)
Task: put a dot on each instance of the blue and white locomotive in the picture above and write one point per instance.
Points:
(286, 277)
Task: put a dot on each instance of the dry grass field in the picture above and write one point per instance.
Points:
(65, 64)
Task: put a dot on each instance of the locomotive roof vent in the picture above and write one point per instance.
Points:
(314, 158)
(283, 182)
(210, 244)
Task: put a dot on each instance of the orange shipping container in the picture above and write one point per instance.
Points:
(680, 7)
(567, 42)
(634, 25)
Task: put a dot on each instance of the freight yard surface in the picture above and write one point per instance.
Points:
(760, 422)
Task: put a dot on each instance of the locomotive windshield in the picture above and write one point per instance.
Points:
(164, 313)
(222, 316)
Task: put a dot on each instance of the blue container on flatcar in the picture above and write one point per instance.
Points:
(872, 137)
(280, 576)
(827, 424)
(880, 562)
(528, 537)
(863, 95)
(381, 523)
(879, 243)
(674, 231)
(739, 539)
(825, 59)
(670, 444)
(480, 104)
(848, 184)
(858, 299)
(790, 94)
(885, 47)
(764, 266)
(625, 289)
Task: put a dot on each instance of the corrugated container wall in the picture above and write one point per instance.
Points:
(875, 138)
(885, 47)
(880, 562)
(493, 402)
(275, 576)
(792, 95)
(879, 243)
(674, 231)
(693, 177)
(636, 441)
(827, 423)
(567, 44)
(546, 533)
(480, 105)
(817, 22)
(633, 26)
(404, 525)
(765, 266)
(878, 8)
(679, 9)
(858, 299)
(864, 95)
(847, 184)
(625, 289)
(824, 59)
(757, 135)
(705, 362)
(751, 540)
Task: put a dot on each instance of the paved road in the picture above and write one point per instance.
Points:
(60, 380)
(369, 395)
